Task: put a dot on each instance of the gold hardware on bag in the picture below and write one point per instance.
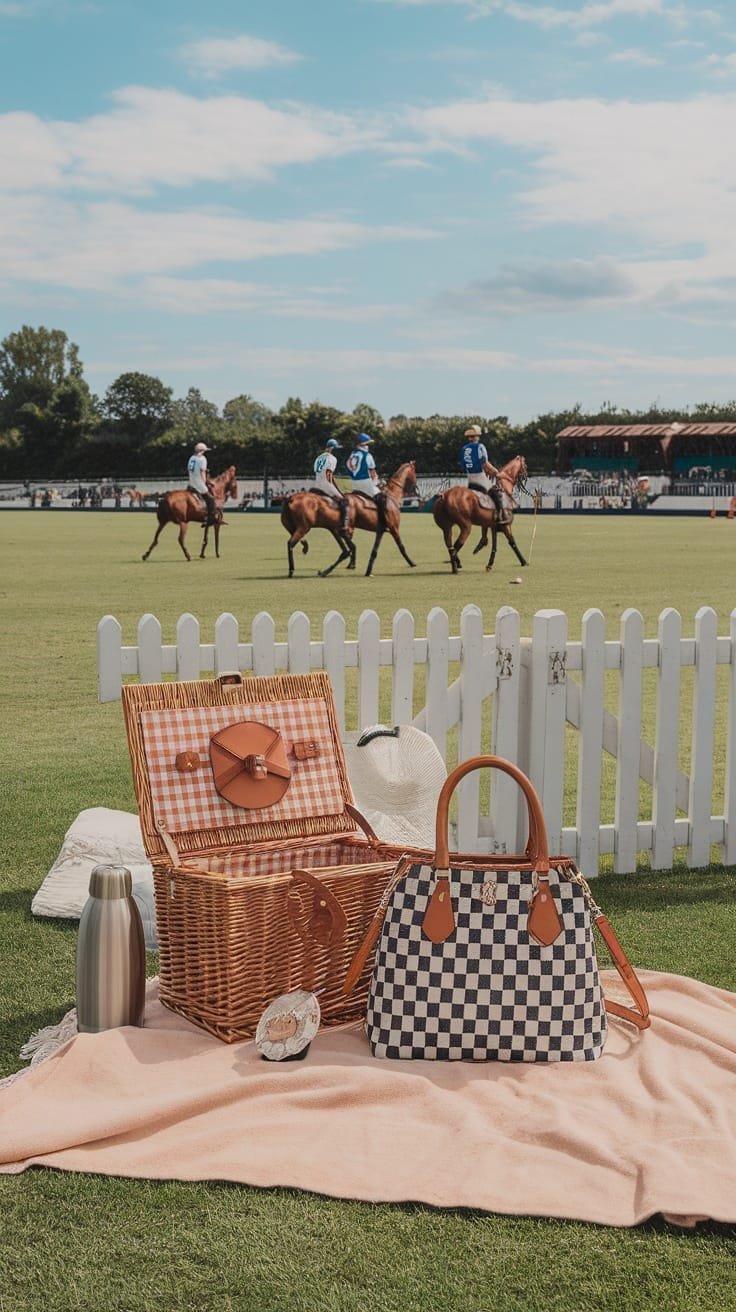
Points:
(488, 892)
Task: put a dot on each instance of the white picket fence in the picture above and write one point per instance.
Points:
(540, 700)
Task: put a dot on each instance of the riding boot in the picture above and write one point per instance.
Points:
(345, 527)
(495, 494)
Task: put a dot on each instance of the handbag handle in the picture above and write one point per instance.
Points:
(537, 850)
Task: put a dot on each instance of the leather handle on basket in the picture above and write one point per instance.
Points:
(537, 846)
(320, 919)
(363, 824)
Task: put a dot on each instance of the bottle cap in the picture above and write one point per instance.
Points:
(109, 882)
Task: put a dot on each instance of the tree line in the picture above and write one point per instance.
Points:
(53, 426)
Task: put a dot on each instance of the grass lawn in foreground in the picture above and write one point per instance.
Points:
(72, 1241)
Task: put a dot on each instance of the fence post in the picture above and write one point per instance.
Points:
(227, 655)
(590, 743)
(629, 742)
(548, 675)
(666, 742)
(402, 687)
(505, 808)
(263, 638)
(109, 659)
(438, 651)
(333, 661)
(701, 754)
(150, 656)
(188, 665)
(369, 670)
(298, 637)
(472, 696)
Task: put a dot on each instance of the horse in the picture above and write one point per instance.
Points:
(183, 507)
(459, 507)
(306, 510)
(138, 498)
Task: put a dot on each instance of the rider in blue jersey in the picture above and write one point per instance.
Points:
(362, 468)
(475, 464)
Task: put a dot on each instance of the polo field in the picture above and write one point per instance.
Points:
(96, 1242)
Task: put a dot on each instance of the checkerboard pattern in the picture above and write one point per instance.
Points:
(185, 802)
(489, 991)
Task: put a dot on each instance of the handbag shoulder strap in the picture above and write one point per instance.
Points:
(641, 1017)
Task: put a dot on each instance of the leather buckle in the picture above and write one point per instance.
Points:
(255, 764)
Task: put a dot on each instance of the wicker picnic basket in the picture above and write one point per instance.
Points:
(265, 875)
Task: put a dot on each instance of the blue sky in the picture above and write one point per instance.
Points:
(433, 206)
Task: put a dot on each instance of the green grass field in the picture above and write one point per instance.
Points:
(70, 1241)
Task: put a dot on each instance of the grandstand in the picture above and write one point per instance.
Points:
(686, 452)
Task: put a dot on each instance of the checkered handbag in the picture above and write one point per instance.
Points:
(484, 964)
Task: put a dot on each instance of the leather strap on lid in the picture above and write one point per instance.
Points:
(249, 764)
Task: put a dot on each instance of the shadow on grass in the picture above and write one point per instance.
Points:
(650, 891)
(17, 902)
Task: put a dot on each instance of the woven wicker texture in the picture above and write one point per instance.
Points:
(230, 944)
(238, 924)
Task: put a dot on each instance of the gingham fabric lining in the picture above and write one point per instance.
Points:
(188, 802)
(253, 863)
(488, 991)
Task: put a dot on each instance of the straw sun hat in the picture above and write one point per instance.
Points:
(396, 776)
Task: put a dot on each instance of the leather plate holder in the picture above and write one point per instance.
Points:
(249, 765)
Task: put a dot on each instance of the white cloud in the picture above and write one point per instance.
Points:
(633, 56)
(722, 66)
(664, 170)
(153, 138)
(107, 245)
(199, 296)
(216, 56)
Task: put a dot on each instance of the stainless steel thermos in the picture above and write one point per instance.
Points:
(111, 954)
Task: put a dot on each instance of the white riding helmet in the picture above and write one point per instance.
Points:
(475, 430)
(200, 449)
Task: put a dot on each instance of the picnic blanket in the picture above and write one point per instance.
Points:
(648, 1128)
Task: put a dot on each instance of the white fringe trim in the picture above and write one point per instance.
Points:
(44, 1043)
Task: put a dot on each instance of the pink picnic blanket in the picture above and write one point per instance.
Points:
(650, 1127)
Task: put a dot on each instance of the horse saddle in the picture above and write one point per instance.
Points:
(364, 496)
(492, 499)
(249, 764)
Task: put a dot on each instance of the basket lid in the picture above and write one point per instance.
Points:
(170, 728)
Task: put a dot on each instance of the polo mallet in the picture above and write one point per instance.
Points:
(537, 503)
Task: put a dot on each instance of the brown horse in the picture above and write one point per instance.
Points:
(139, 498)
(306, 510)
(184, 508)
(460, 508)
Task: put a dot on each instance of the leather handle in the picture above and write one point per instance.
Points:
(320, 919)
(363, 824)
(537, 846)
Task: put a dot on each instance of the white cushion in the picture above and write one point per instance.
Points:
(97, 835)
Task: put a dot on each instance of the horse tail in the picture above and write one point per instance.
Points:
(287, 515)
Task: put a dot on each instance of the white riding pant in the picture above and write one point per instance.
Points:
(481, 479)
(365, 485)
(328, 488)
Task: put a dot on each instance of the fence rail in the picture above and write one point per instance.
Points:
(543, 701)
